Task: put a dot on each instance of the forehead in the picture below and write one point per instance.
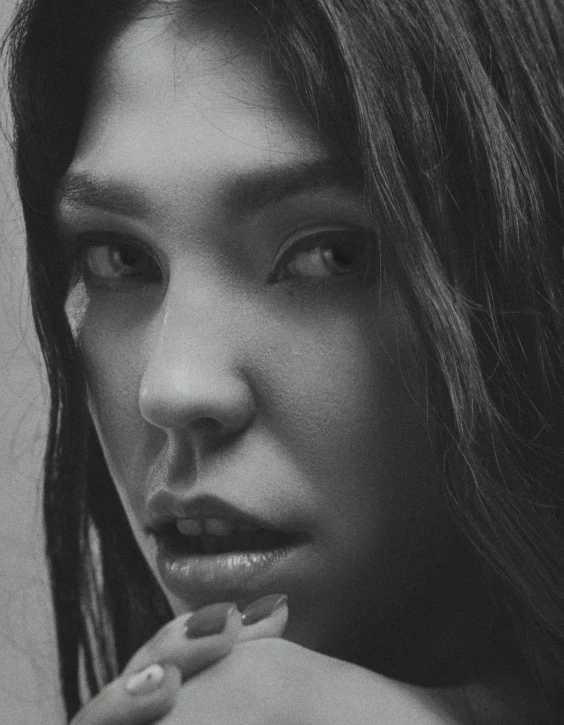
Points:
(188, 97)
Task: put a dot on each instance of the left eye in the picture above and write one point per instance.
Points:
(323, 255)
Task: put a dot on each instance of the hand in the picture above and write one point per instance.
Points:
(276, 682)
(148, 687)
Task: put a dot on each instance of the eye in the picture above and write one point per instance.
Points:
(324, 254)
(115, 260)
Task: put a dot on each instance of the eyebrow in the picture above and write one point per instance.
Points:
(243, 193)
(253, 191)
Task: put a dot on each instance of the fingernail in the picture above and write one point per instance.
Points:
(147, 681)
(262, 608)
(209, 620)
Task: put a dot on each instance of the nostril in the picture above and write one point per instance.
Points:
(207, 427)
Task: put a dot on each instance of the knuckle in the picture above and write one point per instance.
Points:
(150, 652)
(165, 632)
(161, 643)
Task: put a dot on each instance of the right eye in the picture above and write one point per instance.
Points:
(116, 260)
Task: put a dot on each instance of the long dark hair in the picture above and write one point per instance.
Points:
(452, 110)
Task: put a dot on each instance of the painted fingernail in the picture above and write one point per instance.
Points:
(209, 620)
(147, 681)
(262, 608)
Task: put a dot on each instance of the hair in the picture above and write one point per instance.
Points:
(452, 109)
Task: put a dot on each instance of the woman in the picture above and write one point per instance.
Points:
(297, 273)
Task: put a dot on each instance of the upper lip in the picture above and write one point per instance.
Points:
(165, 508)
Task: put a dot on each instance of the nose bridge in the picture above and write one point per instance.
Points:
(194, 369)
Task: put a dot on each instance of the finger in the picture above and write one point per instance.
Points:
(140, 699)
(265, 617)
(191, 642)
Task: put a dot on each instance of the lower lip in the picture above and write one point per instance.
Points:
(201, 579)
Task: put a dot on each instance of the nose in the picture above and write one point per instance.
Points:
(193, 381)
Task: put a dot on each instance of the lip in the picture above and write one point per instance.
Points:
(242, 576)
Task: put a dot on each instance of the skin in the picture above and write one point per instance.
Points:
(229, 361)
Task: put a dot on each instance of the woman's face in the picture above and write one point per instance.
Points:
(246, 366)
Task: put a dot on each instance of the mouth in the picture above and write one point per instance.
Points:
(209, 551)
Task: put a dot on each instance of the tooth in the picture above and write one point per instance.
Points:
(190, 527)
(218, 527)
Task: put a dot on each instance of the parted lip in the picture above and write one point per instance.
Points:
(165, 508)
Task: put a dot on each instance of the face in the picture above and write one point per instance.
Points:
(247, 369)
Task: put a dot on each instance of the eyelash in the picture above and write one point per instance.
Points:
(353, 241)
(350, 241)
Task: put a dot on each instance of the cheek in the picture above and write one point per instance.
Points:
(346, 403)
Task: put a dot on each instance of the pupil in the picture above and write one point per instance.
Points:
(126, 256)
(342, 256)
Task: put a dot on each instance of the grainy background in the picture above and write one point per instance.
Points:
(28, 669)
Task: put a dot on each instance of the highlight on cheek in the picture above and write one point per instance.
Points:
(76, 306)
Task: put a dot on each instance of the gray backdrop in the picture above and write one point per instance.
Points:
(28, 679)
